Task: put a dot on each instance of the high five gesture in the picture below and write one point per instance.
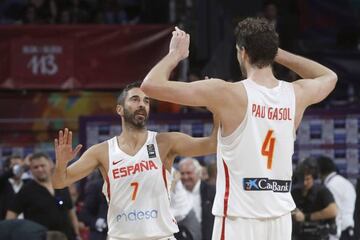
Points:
(63, 147)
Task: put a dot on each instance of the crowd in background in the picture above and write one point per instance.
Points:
(327, 203)
(79, 211)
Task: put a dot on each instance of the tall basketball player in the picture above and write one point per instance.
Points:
(136, 168)
(258, 119)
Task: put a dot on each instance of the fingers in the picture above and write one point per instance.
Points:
(56, 143)
(180, 33)
(70, 138)
(61, 137)
(77, 149)
(66, 135)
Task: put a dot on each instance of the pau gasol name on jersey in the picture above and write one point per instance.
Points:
(139, 167)
(265, 184)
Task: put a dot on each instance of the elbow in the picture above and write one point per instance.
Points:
(333, 210)
(148, 87)
(334, 78)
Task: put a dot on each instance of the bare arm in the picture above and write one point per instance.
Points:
(318, 82)
(63, 176)
(329, 212)
(11, 215)
(187, 146)
(200, 93)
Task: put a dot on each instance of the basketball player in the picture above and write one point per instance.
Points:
(258, 119)
(135, 166)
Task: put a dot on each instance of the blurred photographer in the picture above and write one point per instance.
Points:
(344, 194)
(314, 217)
(11, 182)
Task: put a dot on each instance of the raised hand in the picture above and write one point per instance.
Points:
(63, 147)
(179, 43)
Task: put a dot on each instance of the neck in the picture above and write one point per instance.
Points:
(46, 184)
(132, 136)
(261, 75)
(17, 181)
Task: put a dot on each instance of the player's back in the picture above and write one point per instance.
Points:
(255, 160)
(137, 192)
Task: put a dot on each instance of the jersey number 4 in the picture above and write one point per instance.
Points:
(267, 149)
(135, 185)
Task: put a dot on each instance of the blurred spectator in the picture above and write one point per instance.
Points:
(344, 195)
(314, 217)
(94, 210)
(41, 203)
(30, 15)
(27, 230)
(182, 209)
(10, 182)
(78, 205)
(113, 12)
(212, 171)
(202, 194)
(270, 13)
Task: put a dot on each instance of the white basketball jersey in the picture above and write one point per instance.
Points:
(255, 161)
(137, 192)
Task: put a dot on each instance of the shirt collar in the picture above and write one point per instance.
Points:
(196, 188)
(328, 177)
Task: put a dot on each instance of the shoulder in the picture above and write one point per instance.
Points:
(98, 149)
(169, 137)
(325, 192)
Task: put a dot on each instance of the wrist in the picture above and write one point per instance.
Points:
(175, 55)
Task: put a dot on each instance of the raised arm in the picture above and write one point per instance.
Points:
(200, 93)
(63, 176)
(184, 145)
(318, 82)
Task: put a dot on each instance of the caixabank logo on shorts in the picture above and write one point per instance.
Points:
(265, 184)
(137, 215)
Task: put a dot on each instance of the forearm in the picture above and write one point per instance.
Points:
(304, 67)
(160, 74)
(326, 213)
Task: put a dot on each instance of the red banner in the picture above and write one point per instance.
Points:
(79, 57)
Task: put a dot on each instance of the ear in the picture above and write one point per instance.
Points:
(243, 53)
(120, 110)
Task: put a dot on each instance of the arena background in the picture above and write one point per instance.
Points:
(59, 70)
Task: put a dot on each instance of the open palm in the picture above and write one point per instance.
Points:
(63, 147)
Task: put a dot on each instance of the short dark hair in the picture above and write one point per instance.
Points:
(122, 96)
(326, 165)
(259, 39)
(310, 167)
(310, 171)
(39, 155)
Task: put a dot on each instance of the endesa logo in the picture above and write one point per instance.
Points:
(265, 184)
(137, 215)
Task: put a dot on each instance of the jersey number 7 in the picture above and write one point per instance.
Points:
(267, 149)
(135, 185)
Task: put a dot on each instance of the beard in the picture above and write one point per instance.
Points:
(137, 119)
